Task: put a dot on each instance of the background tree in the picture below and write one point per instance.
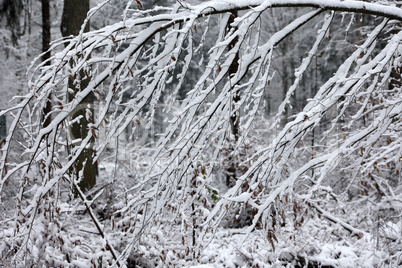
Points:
(74, 15)
(11, 13)
(46, 39)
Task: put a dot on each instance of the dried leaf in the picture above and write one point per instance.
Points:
(131, 71)
(271, 237)
(140, 4)
(93, 133)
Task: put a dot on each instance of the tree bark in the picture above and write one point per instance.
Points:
(46, 38)
(234, 66)
(234, 119)
(74, 14)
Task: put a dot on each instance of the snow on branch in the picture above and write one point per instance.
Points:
(182, 59)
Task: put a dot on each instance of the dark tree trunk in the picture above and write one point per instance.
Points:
(46, 38)
(74, 14)
(235, 117)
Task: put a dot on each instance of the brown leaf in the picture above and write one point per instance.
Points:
(140, 4)
(203, 170)
(131, 71)
(93, 133)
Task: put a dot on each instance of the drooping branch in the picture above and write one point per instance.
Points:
(361, 7)
(143, 54)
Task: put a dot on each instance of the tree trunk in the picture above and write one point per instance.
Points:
(74, 14)
(46, 38)
(235, 117)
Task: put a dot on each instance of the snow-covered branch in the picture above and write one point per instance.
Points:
(177, 63)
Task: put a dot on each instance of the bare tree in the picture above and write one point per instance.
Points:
(142, 54)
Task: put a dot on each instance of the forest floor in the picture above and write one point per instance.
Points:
(306, 240)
